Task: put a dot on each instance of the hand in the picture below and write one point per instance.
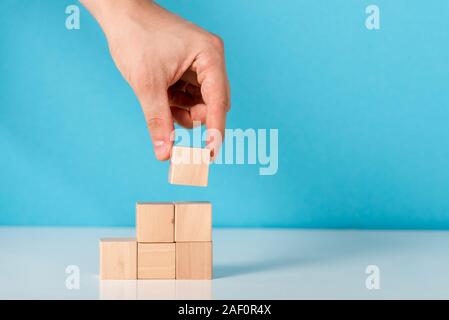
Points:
(176, 69)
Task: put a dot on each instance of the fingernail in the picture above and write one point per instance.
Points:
(161, 149)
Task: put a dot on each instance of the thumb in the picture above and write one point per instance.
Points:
(159, 120)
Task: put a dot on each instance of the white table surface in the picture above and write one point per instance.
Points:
(248, 264)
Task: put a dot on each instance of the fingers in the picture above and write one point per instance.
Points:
(198, 113)
(188, 117)
(159, 120)
(212, 77)
(187, 105)
(180, 99)
(194, 91)
(182, 117)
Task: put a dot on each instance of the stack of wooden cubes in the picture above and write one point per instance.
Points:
(173, 240)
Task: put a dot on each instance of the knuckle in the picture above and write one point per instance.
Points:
(155, 122)
(217, 42)
(223, 103)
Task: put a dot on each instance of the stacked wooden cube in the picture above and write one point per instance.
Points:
(173, 240)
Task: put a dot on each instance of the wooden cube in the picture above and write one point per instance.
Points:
(156, 261)
(155, 222)
(118, 259)
(193, 221)
(194, 260)
(189, 166)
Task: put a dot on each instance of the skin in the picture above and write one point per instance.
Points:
(176, 69)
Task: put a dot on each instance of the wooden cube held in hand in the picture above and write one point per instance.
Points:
(118, 259)
(155, 222)
(189, 166)
(156, 261)
(193, 221)
(194, 260)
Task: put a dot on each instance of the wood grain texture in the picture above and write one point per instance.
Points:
(193, 221)
(189, 166)
(155, 222)
(156, 261)
(194, 260)
(118, 259)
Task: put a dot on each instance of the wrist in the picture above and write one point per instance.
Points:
(110, 13)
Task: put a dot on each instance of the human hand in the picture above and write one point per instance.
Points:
(176, 69)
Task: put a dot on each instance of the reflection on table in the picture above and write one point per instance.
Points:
(155, 289)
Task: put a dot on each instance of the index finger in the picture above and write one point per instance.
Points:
(215, 92)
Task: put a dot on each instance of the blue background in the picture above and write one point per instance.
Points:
(362, 117)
